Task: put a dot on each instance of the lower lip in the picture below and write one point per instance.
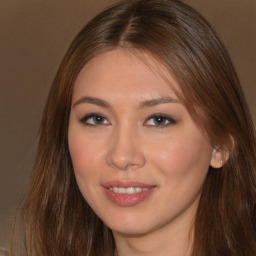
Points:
(127, 200)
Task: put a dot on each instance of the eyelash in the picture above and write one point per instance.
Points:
(92, 116)
(164, 118)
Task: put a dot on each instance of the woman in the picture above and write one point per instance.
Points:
(146, 146)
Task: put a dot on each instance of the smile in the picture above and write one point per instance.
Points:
(127, 193)
(130, 190)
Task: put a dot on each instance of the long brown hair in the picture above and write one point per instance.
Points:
(56, 218)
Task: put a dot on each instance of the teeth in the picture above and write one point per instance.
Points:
(130, 190)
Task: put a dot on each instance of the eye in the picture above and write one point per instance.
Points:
(159, 120)
(94, 120)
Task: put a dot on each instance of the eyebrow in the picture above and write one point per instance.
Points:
(154, 102)
(105, 104)
(92, 100)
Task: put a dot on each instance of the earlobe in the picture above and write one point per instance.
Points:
(219, 158)
(221, 154)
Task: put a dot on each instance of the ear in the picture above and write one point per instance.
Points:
(219, 157)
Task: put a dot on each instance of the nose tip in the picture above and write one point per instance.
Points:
(122, 164)
(125, 154)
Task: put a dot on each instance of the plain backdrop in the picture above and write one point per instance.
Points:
(34, 35)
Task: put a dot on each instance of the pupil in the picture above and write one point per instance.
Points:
(98, 119)
(159, 119)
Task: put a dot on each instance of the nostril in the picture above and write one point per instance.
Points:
(125, 160)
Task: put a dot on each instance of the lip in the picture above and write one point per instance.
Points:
(126, 184)
(127, 200)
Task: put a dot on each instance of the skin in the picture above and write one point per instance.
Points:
(127, 144)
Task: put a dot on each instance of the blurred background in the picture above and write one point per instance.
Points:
(34, 37)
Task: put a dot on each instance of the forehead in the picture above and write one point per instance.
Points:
(123, 71)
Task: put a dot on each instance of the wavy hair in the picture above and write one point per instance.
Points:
(56, 220)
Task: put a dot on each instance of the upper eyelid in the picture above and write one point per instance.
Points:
(90, 115)
(93, 114)
(161, 114)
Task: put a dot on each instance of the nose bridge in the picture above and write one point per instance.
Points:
(124, 150)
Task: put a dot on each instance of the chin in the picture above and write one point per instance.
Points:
(129, 226)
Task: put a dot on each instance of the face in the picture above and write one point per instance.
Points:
(139, 159)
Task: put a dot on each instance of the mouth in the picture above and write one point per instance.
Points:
(129, 190)
(127, 193)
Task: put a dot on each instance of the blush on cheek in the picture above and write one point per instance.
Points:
(182, 158)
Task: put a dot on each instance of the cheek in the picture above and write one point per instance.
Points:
(184, 155)
(84, 153)
(85, 161)
(182, 166)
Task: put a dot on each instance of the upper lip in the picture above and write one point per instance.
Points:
(126, 184)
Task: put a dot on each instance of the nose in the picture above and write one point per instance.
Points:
(125, 152)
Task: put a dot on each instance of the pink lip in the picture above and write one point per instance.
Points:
(127, 200)
(126, 184)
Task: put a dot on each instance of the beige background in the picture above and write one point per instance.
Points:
(34, 35)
